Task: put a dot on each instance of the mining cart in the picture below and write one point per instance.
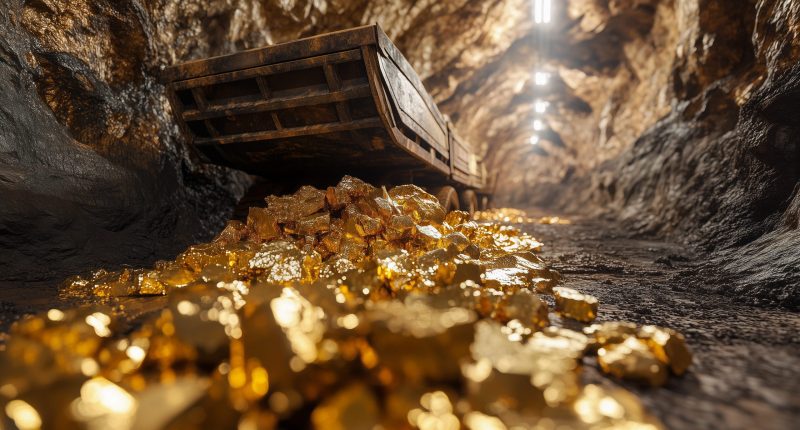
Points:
(318, 108)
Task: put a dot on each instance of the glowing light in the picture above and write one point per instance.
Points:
(302, 323)
(349, 321)
(436, 415)
(540, 106)
(186, 307)
(541, 78)
(260, 381)
(103, 404)
(24, 415)
(55, 315)
(136, 353)
(542, 11)
(99, 322)
(538, 125)
(534, 140)
(101, 396)
(89, 367)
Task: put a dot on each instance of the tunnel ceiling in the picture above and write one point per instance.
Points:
(677, 115)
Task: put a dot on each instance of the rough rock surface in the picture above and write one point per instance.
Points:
(91, 169)
(677, 116)
(719, 163)
(743, 374)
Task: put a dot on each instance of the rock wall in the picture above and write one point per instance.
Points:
(686, 127)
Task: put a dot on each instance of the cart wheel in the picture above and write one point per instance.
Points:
(448, 198)
(469, 201)
(485, 203)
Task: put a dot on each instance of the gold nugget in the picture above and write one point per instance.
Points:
(632, 359)
(574, 305)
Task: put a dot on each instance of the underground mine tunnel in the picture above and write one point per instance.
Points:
(478, 214)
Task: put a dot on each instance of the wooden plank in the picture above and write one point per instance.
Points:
(316, 98)
(387, 48)
(289, 66)
(370, 56)
(412, 108)
(288, 63)
(334, 84)
(263, 87)
(308, 47)
(462, 178)
(276, 120)
(177, 112)
(266, 93)
(292, 132)
(418, 152)
(199, 98)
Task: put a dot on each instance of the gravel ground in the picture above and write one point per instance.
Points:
(746, 372)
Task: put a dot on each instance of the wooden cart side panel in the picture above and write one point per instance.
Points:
(388, 48)
(270, 69)
(467, 167)
(417, 151)
(379, 90)
(370, 56)
(459, 151)
(273, 104)
(292, 132)
(412, 108)
(308, 47)
(265, 101)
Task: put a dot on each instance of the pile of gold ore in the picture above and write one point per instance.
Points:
(349, 308)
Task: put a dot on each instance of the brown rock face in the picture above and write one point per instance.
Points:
(677, 115)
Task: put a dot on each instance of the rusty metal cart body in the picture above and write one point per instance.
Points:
(317, 108)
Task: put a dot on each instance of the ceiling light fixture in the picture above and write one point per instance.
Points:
(542, 11)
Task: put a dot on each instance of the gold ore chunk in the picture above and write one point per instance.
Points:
(572, 304)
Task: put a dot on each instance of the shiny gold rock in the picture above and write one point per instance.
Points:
(574, 305)
(263, 224)
(632, 359)
(611, 332)
(668, 346)
(415, 202)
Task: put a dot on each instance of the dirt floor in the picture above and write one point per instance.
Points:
(745, 372)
